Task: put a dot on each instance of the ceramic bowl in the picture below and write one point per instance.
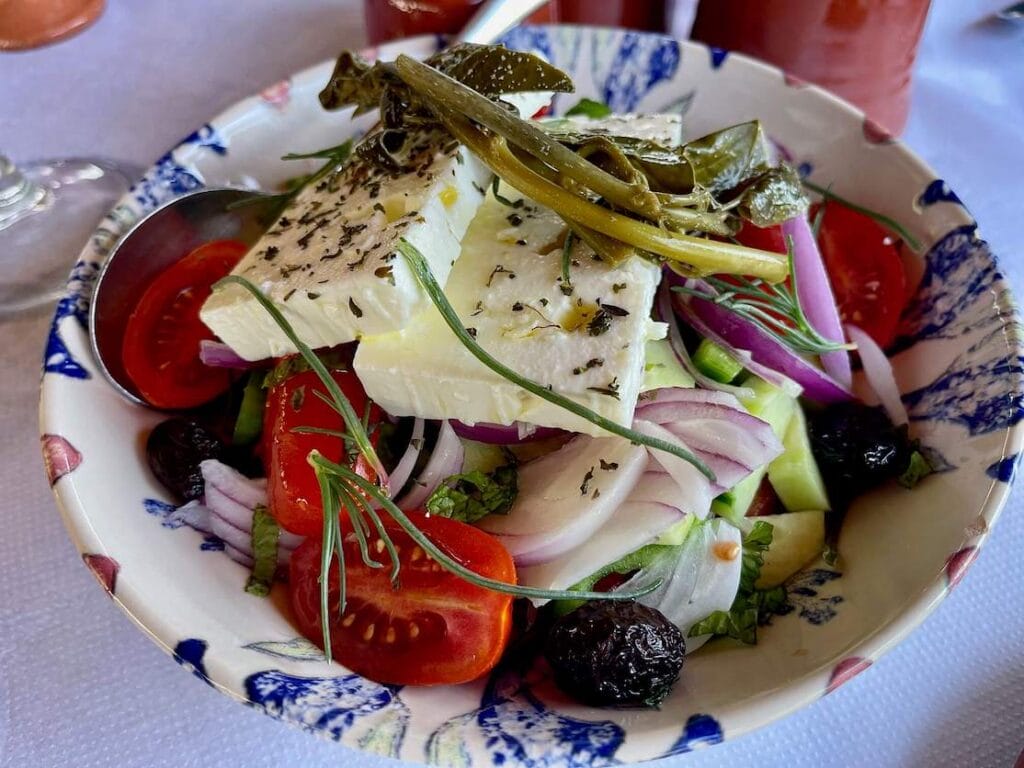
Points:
(958, 362)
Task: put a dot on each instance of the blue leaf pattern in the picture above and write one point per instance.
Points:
(189, 653)
(804, 592)
(168, 179)
(515, 728)
(335, 706)
(639, 63)
(937, 191)
(1004, 469)
(699, 731)
(57, 357)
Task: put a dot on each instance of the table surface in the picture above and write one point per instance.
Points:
(79, 685)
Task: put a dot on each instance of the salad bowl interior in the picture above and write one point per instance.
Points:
(957, 361)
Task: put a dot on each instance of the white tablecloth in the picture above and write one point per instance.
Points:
(80, 686)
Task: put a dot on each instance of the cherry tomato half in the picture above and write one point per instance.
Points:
(863, 263)
(292, 487)
(160, 352)
(434, 629)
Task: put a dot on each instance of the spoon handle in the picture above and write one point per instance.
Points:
(494, 19)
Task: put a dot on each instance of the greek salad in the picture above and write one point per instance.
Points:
(501, 387)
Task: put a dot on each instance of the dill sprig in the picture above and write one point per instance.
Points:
(341, 488)
(426, 279)
(775, 309)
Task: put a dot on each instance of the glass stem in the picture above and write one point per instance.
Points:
(19, 196)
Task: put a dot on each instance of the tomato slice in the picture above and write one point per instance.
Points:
(434, 629)
(292, 487)
(160, 352)
(763, 238)
(863, 263)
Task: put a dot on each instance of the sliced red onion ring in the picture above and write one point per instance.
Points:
(664, 313)
(695, 490)
(446, 460)
(216, 354)
(739, 333)
(403, 469)
(770, 375)
(880, 376)
(502, 434)
(814, 292)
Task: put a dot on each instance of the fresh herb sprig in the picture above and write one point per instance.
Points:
(886, 221)
(421, 269)
(341, 488)
(775, 310)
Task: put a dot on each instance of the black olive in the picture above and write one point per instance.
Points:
(615, 653)
(175, 448)
(857, 448)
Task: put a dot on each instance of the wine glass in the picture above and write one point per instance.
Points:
(48, 209)
(47, 212)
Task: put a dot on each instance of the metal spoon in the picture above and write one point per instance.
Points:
(171, 231)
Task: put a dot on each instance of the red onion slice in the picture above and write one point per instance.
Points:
(695, 490)
(739, 333)
(502, 434)
(770, 375)
(664, 313)
(814, 292)
(879, 373)
(446, 460)
(216, 354)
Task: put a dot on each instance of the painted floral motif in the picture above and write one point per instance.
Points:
(793, 81)
(75, 304)
(937, 191)
(959, 274)
(60, 457)
(193, 516)
(296, 649)
(1004, 469)
(846, 670)
(105, 570)
(278, 95)
(981, 389)
(700, 731)
(189, 653)
(513, 727)
(718, 56)
(805, 596)
(168, 178)
(875, 133)
(369, 715)
(958, 563)
(639, 63)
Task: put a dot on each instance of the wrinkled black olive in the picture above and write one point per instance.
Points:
(615, 653)
(857, 448)
(175, 448)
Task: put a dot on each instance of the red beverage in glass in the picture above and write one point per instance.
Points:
(863, 50)
(31, 23)
(389, 19)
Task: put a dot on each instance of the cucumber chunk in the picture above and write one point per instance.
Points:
(715, 363)
(794, 474)
(797, 539)
(662, 369)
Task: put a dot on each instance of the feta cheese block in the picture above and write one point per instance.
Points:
(329, 261)
(586, 341)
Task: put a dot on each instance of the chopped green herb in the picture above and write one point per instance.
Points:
(265, 534)
(471, 496)
(589, 108)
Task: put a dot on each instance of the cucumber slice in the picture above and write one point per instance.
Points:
(797, 539)
(662, 369)
(795, 475)
(482, 456)
(777, 408)
(715, 363)
(249, 423)
(677, 534)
